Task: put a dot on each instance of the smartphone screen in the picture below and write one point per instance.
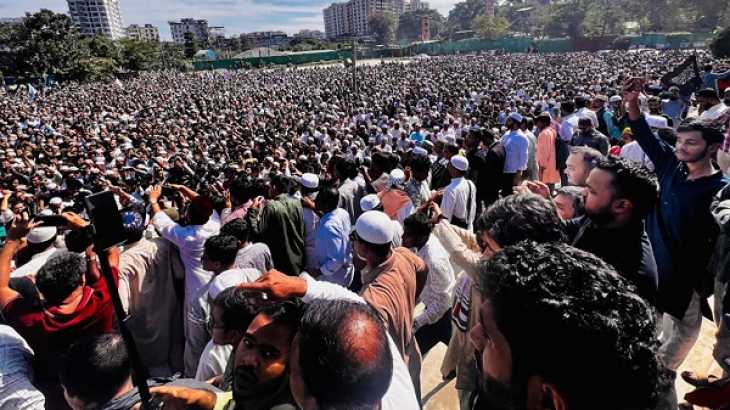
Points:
(50, 220)
(106, 219)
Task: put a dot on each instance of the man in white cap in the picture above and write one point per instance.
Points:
(309, 188)
(371, 202)
(396, 202)
(459, 203)
(516, 146)
(393, 278)
(41, 245)
(55, 204)
(392, 281)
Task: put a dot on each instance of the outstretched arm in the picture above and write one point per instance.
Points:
(17, 232)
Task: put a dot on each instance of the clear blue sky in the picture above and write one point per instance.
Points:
(238, 16)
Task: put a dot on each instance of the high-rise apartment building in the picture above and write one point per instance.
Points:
(97, 17)
(199, 28)
(351, 18)
(148, 32)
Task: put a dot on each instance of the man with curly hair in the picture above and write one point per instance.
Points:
(551, 316)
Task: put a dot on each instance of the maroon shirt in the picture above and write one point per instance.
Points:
(50, 333)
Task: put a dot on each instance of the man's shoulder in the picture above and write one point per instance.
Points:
(258, 247)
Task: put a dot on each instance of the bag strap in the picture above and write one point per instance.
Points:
(468, 204)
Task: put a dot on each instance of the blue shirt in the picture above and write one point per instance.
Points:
(416, 136)
(516, 146)
(674, 109)
(709, 79)
(681, 228)
(333, 248)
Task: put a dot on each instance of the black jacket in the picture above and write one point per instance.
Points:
(626, 248)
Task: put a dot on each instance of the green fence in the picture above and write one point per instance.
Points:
(522, 44)
(294, 59)
(472, 45)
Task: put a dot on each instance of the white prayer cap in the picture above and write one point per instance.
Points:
(55, 201)
(615, 99)
(368, 202)
(459, 162)
(41, 234)
(516, 116)
(224, 281)
(310, 181)
(397, 177)
(375, 227)
(657, 121)
(419, 151)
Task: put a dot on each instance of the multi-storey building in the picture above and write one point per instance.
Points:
(199, 29)
(97, 17)
(316, 34)
(268, 39)
(352, 18)
(148, 32)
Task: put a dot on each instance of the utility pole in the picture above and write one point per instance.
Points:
(354, 65)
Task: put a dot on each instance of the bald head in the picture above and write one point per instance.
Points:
(344, 356)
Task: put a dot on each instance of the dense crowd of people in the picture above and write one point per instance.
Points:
(296, 241)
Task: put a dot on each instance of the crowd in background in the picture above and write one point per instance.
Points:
(294, 240)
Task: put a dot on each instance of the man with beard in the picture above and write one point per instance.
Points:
(711, 108)
(261, 367)
(538, 319)
(681, 228)
(618, 196)
(590, 137)
(579, 164)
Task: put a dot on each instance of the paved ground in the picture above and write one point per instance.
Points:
(442, 396)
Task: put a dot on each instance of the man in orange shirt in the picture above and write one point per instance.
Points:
(546, 159)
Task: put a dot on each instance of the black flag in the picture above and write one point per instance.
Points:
(686, 76)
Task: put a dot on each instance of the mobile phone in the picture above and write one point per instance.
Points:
(105, 218)
(50, 220)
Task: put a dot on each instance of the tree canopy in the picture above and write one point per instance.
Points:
(382, 26)
(48, 43)
(409, 25)
(490, 27)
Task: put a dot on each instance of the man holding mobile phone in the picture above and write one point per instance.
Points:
(681, 228)
(75, 302)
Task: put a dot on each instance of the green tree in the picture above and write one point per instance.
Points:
(462, 15)
(490, 27)
(104, 47)
(382, 27)
(48, 43)
(139, 55)
(720, 45)
(565, 19)
(409, 25)
(191, 46)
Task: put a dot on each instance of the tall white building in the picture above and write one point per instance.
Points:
(199, 28)
(351, 18)
(97, 17)
(148, 32)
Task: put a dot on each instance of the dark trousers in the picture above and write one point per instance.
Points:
(429, 335)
